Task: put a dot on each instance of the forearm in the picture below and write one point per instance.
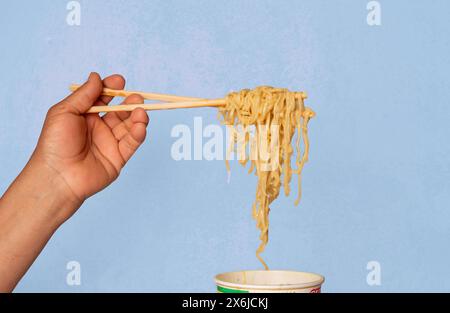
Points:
(31, 210)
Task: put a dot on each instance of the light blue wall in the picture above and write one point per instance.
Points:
(378, 183)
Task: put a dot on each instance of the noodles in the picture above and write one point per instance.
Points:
(275, 114)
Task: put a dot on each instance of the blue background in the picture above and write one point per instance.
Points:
(377, 184)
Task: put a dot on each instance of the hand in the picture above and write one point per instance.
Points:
(77, 155)
(85, 150)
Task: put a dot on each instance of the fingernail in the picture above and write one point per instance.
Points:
(90, 76)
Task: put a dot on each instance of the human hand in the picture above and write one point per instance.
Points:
(85, 151)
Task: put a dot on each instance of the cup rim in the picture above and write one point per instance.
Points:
(317, 281)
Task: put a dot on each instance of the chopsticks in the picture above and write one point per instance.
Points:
(173, 102)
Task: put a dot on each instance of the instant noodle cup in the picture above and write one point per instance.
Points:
(269, 282)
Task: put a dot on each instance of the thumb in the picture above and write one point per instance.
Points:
(81, 100)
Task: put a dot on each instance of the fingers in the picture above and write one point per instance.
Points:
(115, 81)
(113, 119)
(83, 98)
(131, 141)
(122, 128)
(129, 129)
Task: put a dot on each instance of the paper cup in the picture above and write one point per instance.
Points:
(269, 281)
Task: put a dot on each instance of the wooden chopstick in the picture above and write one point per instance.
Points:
(145, 95)
(158, 106)
(173, 102)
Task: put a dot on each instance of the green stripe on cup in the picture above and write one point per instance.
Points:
(228, 290)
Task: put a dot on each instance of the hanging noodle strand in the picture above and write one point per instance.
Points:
(276, 114)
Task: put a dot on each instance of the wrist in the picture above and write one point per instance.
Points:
(43, 194)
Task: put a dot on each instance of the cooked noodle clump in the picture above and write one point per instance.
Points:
(275, 115)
